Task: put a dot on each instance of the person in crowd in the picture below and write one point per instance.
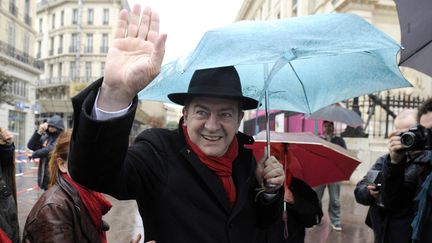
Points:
(390, 225)
(334, 208)
(67, 211)
(301, 208)
(195, 184)
(9, 227)
(42, 143)
(406, 176)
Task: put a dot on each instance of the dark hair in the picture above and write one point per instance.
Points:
(330, 122)
(424, 108)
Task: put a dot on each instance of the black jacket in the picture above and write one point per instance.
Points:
(8, 206)
(392, 223)
(179, 198)
(304, 213)
(42, 145)
(401, 184)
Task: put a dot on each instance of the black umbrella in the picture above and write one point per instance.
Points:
(415, 19)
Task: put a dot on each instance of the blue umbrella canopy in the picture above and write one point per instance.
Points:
(304, 63)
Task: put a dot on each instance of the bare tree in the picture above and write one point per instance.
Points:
(5, 86)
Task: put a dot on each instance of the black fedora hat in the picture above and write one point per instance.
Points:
(220, 82)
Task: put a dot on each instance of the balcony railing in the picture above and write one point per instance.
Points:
(63, 80)
(60, 50)
(20, 56)
(51, 52)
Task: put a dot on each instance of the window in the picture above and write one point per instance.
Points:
(51, 50)
(53, 21)
(40, 25)
(39, 49)
(104, 47)
(102, 68)
(105, 16)
(13, 8)
(88, 71)
(89, 45)
(60, 71)
(90, 16)
(72, 71)
(74, 43)
(11, 34)
(294, 8)
(51, 71)
(62, 18)
(26, 44)
(75, 16)
(60, 45)
(17, 125)
(27, 18)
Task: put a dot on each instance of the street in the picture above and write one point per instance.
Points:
(125, 221)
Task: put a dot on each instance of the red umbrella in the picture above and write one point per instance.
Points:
(310, 158)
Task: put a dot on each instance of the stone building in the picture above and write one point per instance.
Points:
(72, 40)
(17, 61)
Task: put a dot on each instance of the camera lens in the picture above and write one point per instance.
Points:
(408, 139)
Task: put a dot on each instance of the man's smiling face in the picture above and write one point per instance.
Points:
(212, 123)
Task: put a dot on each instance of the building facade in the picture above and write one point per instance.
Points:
(381, 13)
(18, 62)
(72, 40)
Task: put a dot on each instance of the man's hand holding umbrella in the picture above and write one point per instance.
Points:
(270, 172)
(134, 58)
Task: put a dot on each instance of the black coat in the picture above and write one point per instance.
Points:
(179, 198)
(401, 184)
(42, 145)
(392, 223)
(304, 213)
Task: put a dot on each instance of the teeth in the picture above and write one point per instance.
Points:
(212, 138)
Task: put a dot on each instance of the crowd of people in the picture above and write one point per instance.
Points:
(198, 183)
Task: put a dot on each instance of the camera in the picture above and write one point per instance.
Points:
(417, 138)
(374, 177)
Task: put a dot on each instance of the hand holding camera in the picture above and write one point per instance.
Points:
(42, 128)
(5, 137)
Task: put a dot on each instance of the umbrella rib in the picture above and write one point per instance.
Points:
(413, 54)
(303, 88)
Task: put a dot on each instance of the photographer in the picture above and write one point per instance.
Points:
(406, 170)
(42, 143)
(388, 225)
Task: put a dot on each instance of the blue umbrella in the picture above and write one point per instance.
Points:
(299, 64)
(303, 63)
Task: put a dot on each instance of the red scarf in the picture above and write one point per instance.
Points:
(221, 166)
(3, 237)
(95, 203)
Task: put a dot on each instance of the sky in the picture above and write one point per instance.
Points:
(185, 21)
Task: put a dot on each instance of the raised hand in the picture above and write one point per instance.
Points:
(134, 58)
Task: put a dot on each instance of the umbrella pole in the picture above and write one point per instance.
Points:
(267, 116)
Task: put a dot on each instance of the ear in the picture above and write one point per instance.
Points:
(62, 165)
(185, 113)
(241, 115)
